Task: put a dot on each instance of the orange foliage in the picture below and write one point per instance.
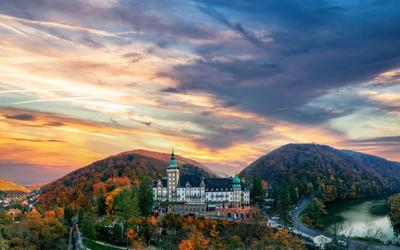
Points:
(110, 199)
(98, 188)
(189, 220)
(120, 181)
(59, 211)
(264, 184)
(33, 215)
(49, 214)
(132, 235)
(152, 220)
(186, 245)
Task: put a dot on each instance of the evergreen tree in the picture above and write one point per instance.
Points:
(88, 223)
(101, 205)
(145, 197)
(294, 194)
(68, 213)
(126, 206)
(284, 202)
(257, 192)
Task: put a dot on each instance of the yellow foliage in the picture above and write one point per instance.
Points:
(59, 211)
(109, 199)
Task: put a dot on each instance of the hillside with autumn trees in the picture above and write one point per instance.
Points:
(324, 173)
(102, 180)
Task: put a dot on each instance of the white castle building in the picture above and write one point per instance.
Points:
(195, 189)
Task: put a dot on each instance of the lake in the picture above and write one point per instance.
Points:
(356, 213)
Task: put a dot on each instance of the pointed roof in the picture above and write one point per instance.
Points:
(172, 154)
(236, 180)
(172, 162)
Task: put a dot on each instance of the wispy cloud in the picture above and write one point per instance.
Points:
(222, 83)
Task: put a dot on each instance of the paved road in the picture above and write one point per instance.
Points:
(300, 227)
(75, 239)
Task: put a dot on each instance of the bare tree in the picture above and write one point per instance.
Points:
(340, 231)
(372, 231)
(348, 233)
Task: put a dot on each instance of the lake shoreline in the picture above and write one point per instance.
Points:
(355, 214)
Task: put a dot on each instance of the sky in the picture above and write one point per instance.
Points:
(223, 82)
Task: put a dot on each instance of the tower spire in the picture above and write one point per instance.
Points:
(172, 154)
(172, 162)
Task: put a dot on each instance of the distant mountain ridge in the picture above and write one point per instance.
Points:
(80, 187)
(327, 172)
(9, 186)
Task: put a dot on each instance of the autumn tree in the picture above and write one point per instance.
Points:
(196, 241)
(36, 233)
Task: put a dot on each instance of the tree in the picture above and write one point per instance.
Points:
(68, 213)
(372, 233)
(88, 225)
(394, 211)
(257, 192)
(126, 206)
(339, 230)
(235, 242)
(101, 205)
(312, 213)
(284, 203)
(295, 194)
(196, 241)
(36, 233)
(186, 245)
(145, 197)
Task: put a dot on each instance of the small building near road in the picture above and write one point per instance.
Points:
(321, 241)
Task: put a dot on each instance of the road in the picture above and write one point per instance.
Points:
(303, 229)
(75, 239)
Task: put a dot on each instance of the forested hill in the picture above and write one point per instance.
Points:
(100, 179)
(327, 172)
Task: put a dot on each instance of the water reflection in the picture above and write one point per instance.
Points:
(357, 213)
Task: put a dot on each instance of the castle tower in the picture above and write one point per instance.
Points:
(237, 191)
(202, 190)
(172, 178)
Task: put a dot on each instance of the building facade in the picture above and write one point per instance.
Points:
(195, 189)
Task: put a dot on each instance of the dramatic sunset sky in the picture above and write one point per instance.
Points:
(223, 82)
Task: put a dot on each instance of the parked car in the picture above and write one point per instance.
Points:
(342, 243)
